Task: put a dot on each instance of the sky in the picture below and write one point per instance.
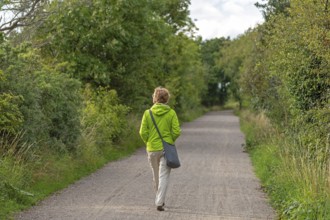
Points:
(223, 18)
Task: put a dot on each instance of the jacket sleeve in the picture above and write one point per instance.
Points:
(144, 130)
(176, 130)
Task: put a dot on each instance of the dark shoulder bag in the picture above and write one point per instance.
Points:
(170, 153)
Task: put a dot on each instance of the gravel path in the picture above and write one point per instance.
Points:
(215, 181)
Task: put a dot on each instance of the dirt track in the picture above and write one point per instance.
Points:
(215, 181)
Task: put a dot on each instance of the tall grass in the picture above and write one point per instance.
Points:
(294, 173)
(15, 173)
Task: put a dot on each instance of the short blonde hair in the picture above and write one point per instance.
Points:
(161, 95)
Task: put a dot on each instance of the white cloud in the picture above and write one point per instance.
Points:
(223, 18)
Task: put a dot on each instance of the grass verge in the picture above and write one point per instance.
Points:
(296, 180)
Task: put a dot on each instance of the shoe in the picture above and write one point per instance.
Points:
(160, 208)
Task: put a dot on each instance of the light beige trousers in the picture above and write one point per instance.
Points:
(161, 175)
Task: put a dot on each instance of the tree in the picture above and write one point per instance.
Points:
(217, 91)
(235, 61)
(120, 44)
(18, 14)
(273, 7)
(175, 13)
(183, 73)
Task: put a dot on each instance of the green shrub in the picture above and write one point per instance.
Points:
(15, 174)
(60, 104)
(43, 102)
(11, 117)
(103, 116)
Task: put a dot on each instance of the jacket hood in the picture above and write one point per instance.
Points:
(160, 109)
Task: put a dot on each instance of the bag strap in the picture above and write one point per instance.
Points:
(153, 120)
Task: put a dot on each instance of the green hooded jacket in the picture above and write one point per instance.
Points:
(167, 122)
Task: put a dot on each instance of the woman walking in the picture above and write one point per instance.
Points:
(168, 124)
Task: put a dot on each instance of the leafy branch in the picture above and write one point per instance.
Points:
(22, 13)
